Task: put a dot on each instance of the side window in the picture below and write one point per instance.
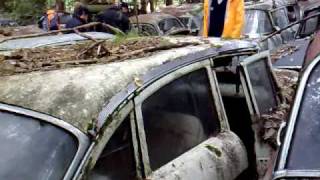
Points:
(312, 24)
(262, 87)
(117, 159)
(280, 18)
(178, 117)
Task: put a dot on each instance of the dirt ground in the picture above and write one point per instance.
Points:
(81, 54)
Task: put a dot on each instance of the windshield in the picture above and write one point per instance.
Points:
(257, 22)
(169, 24)
(33, 149)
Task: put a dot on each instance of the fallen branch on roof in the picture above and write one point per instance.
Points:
(113, 29)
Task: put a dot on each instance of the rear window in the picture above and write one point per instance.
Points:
(169, 24)
(33, 149)
(257, 22)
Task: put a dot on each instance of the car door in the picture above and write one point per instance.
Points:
(261, 92)
(182, 128)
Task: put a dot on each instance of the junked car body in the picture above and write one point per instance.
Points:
(165, 116)
(158, 24)
(190, 15)
(301, 136)
(259, 23)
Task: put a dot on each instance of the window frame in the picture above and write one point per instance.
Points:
(154, 87)
(106, 133)
(247, 85)
(81, 138)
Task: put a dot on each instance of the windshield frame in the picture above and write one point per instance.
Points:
(280, 170)
(80, 137)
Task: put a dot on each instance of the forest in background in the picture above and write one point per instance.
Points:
(26, 12)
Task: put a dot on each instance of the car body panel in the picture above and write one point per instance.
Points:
(78, 105)
(223, 157)
(62, 39)
(300, 131)
(291, 60)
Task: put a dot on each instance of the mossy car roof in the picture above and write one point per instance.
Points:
(77, 95)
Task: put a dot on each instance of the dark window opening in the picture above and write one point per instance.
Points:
(178, 117)
(238, 115)
(117, 159)
(263, 87)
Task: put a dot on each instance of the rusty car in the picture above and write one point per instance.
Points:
(301, 131)
(158, 24)
(190, 15)
(263, 19)
(187, 113)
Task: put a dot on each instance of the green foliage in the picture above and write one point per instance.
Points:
(119, 38)
(25, 12)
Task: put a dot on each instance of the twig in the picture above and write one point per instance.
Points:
(89, 48)
(114, 29)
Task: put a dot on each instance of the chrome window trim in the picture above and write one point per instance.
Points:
(249, 88)
(247, 94)
(296, 174)
(294, 114)
(83, 140)
(205, 64)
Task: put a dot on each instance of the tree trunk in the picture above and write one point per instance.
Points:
(169, 2)
(152, 5)
(60, 6)
(143, 9)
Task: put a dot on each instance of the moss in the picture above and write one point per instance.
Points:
(213, 149)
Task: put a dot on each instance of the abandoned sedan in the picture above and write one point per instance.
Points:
(182, 113)
(302, 131)
(158, 24)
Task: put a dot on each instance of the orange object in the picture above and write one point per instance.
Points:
(206, 18)
(234, 19)
(51, 14)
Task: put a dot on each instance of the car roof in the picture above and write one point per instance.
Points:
(260, 5)
(153, 18)
(78, 95)
(62, 39)
(189, 9)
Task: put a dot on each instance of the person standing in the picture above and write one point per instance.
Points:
(223, 18)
